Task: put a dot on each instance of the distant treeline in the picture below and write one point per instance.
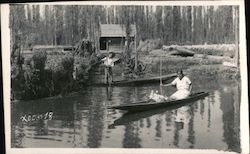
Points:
(67, 24)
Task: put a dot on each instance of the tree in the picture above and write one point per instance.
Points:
(228, 24)
(46, 21)
(199, 26)
(176, 24)
(17, 32)
(211, 24)
(168, 24)
(206, 24)
(194, 27)
(67, 25)
(189, 23)
(159, 22)
(183, 24)
(126, 22)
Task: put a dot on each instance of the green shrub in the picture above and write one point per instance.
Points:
(68, 63)
(39, 60)
(50, 75)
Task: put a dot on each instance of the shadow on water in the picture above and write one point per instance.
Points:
(82, 120)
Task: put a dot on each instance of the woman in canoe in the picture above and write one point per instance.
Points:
(109, 62)
(183, 85)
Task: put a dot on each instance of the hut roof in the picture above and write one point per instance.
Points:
(115, 30)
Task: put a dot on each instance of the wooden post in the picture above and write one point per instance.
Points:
(107, 45)
(98, 35)
(121, 44)
(136, 53)
(19, 49)
(236, 38)
(160, 76)
(160, 71)
(54, 11)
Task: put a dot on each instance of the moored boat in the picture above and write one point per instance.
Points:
(141, 81)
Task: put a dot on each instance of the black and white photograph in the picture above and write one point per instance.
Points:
(153, 76)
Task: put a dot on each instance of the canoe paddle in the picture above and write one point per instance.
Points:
(166, 85)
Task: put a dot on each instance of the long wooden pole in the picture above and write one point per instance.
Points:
(160, 71)
(136, 53)
(161, 75)
(236, 38)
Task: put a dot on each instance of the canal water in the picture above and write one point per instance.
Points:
(81, 120)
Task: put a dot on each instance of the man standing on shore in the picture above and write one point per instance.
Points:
(109, 63)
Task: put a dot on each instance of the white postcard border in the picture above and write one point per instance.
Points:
(243, 69)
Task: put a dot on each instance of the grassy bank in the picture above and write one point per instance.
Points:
(216, 72)
(171, 64)
(207, 62)
(203, 68)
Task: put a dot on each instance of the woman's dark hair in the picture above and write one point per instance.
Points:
(112, 54)
(180, 71)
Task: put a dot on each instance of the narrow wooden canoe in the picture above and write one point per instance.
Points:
(148, 105)
(135, 116)
(140, 81)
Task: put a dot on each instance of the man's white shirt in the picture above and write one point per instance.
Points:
(182, 84)
(108, 61)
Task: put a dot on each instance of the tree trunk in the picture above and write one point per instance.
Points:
(236, 37)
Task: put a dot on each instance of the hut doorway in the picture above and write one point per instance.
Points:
(103, 44)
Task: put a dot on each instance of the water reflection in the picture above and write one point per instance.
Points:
(178, 126)
(82, 120)
(95, 121)
(109, 91)
(191, 132)
(158, 128)
(131, 136)
(230, 119)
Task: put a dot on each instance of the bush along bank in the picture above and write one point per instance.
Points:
(46, 75)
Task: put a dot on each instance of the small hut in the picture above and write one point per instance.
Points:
(112, 37)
